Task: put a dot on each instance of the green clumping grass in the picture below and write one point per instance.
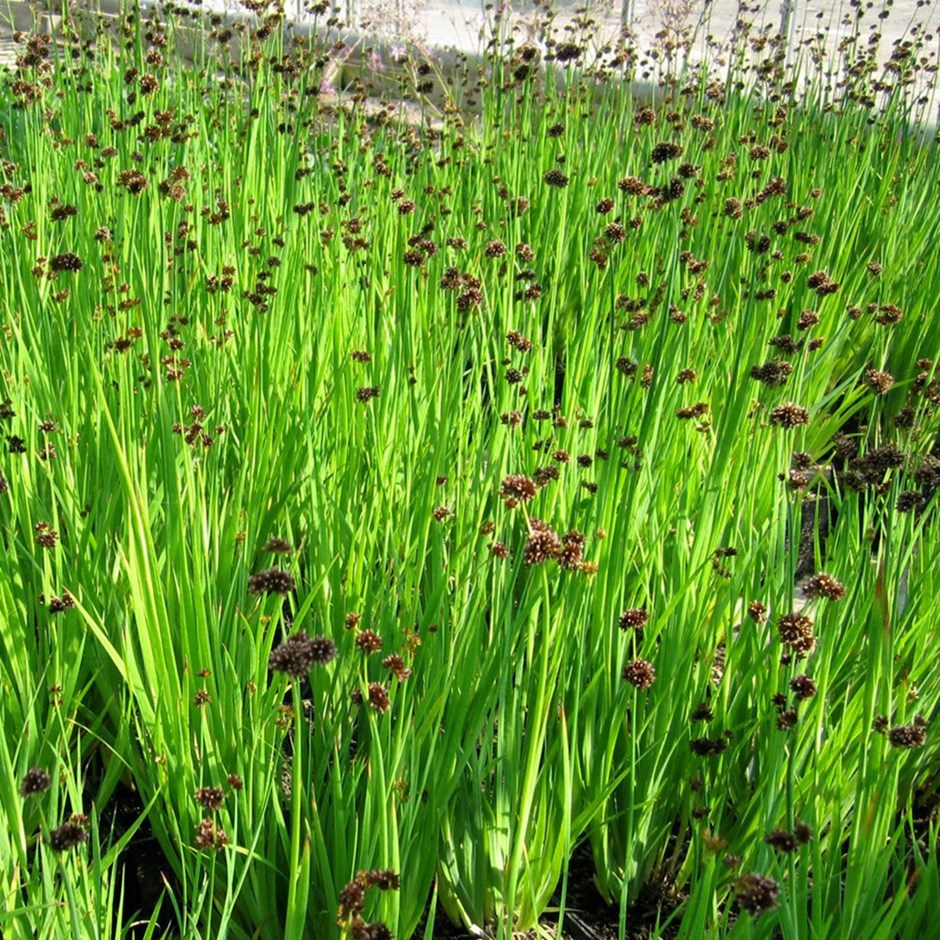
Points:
(391, 512)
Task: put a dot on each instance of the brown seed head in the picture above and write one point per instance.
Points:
(36, 780)
(781, 840)
(757, 894)
(396, 666)
(299, 653)
(789, 415)
(823, 585)
(796, 631)
(271, 581)
(210, 798)
(369, 641)
(68, 261)
(543, 544)
(517, 488)
(67, 836)
(634, 618)
(803, 687)
(378, 697)
(907, 736)
(639, 673)
(210, 836)
(878, 382)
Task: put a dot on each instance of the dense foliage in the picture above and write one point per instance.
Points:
(389, 507)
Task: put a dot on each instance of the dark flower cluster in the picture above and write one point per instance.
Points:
(278, 546)
(909, 736)
(36, 780)
(376, 696)
(820, 282)
(789, 415)
(757, 612)
(46, 536)
(634, 618)
(352, 904)
(823, 585)
(757, 894)
(299, 653)
(59, 605)
(271, 581)
(803, 687)
(396, 666)
(877, 381)
(69, 835)
(639, 673)
(517, 489)
(368, 641)
(664, 151)
(210, 798)
(518, 341)
(67, 261)
(772, 373)
(708, 747)
(783, 841)
(571, 556)
(543, 543)
(209, 835)
(796, 632)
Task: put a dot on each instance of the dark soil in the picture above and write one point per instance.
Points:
(143, 869)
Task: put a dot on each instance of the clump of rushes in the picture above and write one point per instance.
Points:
(512, 292)
(299, 653)
(271, 581)
(757, 894)
(35, 780)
